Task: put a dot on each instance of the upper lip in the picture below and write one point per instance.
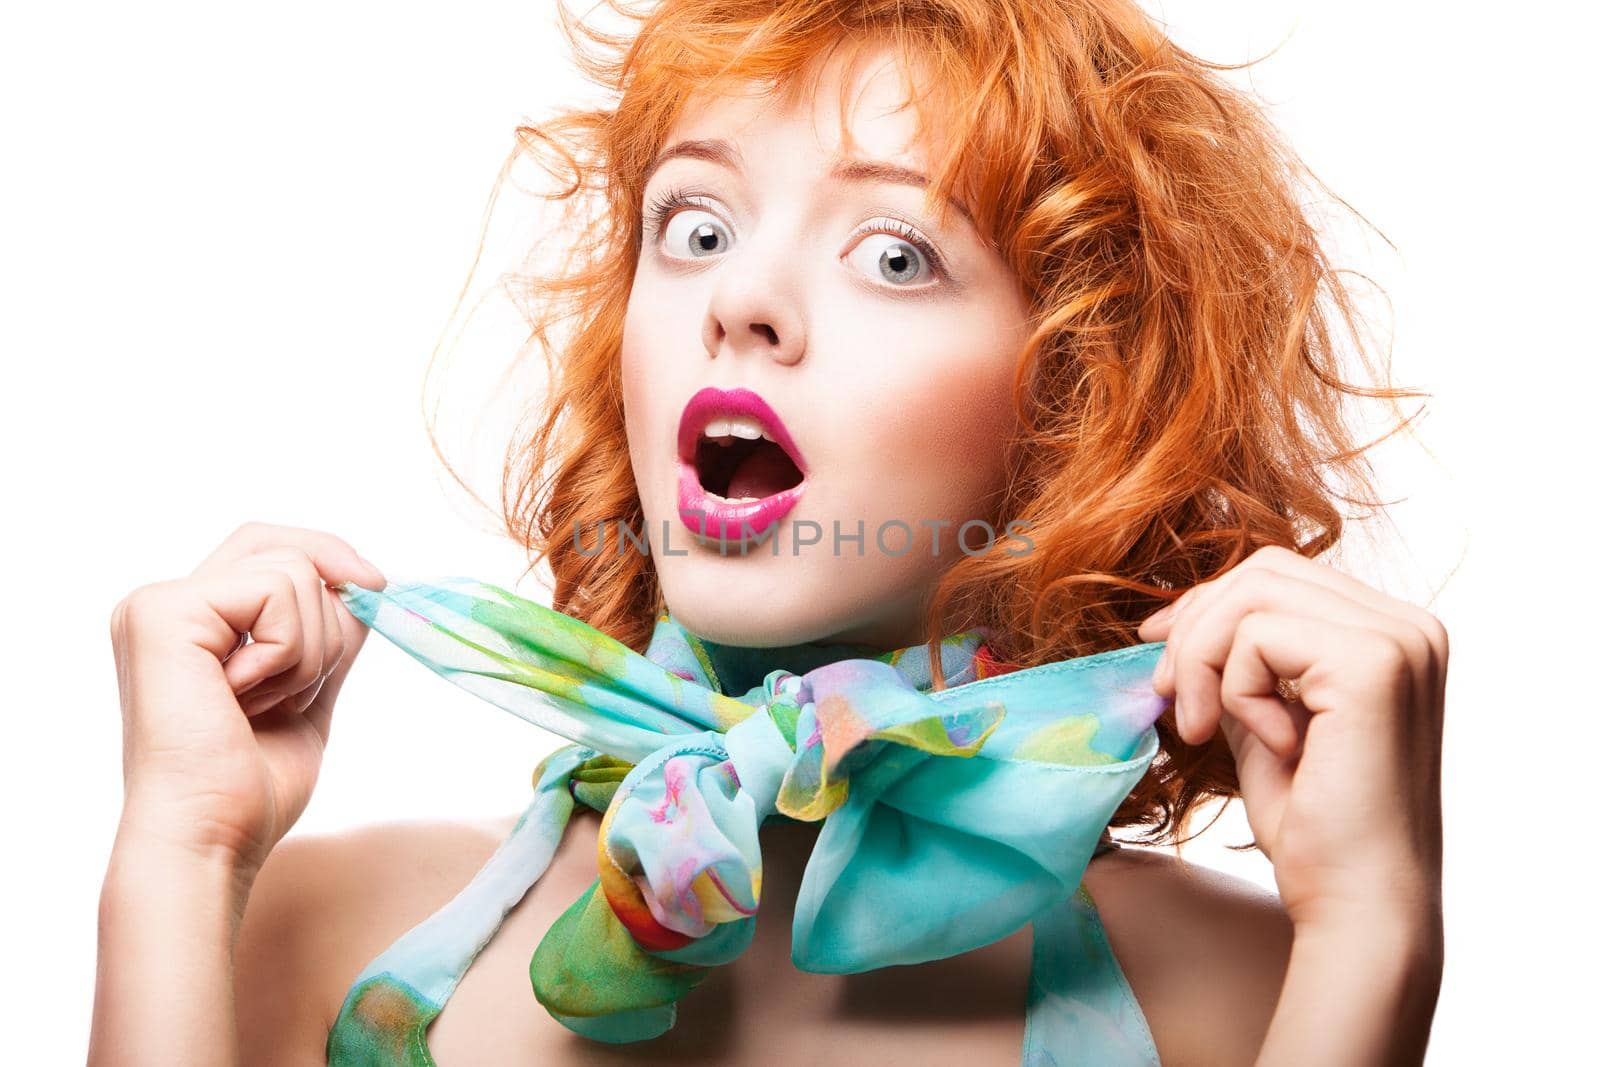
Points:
(713, 403)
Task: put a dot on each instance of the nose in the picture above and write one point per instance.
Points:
(750, 313)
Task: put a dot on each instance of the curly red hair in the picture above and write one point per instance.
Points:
(1182, 402)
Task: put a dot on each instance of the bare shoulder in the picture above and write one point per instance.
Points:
(1204, 952)
(323, 906)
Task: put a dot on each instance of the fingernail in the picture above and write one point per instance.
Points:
(1160, 676)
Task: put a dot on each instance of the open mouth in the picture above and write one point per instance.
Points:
(736, 460)
(740, 471)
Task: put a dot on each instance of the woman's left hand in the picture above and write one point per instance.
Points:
(1342, 786)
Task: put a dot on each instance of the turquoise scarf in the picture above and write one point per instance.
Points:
(951, 818)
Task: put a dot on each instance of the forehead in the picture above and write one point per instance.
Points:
(858, 105)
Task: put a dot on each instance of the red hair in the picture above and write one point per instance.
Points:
(1181, 398)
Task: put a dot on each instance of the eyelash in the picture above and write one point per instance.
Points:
(664, 204)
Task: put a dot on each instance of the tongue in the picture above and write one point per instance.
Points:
(763, 472)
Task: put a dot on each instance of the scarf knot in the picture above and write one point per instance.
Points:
(950, 818)
(678, 844)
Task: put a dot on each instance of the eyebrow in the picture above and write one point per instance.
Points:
(726, 155)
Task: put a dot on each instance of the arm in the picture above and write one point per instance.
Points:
(169, 918)
(1340, 781)
(186, 978)
(1362, 992)
(222, 741)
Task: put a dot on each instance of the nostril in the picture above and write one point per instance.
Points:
(766, 331)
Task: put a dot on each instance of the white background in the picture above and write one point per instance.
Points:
(232, 235)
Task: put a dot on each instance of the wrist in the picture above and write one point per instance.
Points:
(1399, 901)
(1402, 941)
(148, 860)
(173, 831)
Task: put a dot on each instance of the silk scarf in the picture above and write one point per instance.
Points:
(950, 818)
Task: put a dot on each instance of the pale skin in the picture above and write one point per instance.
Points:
(224, 942)
(794, 303)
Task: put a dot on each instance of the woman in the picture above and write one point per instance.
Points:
(1089, 310)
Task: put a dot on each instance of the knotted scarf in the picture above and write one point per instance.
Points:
(951, 817)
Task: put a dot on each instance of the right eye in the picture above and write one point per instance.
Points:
(695, 233)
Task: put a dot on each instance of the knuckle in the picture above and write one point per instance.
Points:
(1418, 650)
(304, 567)
(1271, 554)
(1257, 583)
(1252, 629)
(1438, 637)
(282, 555)
(1387, 654)
(143, 605)
(282, 584)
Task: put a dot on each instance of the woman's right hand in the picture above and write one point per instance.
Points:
(223, 738)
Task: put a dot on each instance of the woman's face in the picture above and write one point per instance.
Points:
(803, 339)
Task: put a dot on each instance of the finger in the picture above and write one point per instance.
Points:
(332, 649)
(1280, 560)
(306, 673)
(1192, 664)
(1202, 632)
(333, 558)
(263, 603)
(1263, 783)
(320, 712)
(1311, 570)
(1286, 645)
(1253, 700)
(1158, 624)
(1197, 652)
(273, 668)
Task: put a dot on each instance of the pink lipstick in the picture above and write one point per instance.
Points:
(739, 471)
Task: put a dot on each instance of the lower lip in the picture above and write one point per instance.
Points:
(708, 515)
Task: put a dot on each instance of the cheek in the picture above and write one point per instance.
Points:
(646, 368)
(646, 390)
(635, 391)
(933, 416)
(661, 330)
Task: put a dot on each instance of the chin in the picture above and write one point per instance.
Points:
(769, 602)
(753, 602)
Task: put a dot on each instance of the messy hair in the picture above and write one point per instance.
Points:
(1180, 396)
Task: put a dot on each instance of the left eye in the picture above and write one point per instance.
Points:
(696, 231)
(892, 258)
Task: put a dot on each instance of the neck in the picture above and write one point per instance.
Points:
(737, 670)
(890, 625)
(741, 669)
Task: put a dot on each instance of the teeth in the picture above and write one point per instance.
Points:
(740, 426)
